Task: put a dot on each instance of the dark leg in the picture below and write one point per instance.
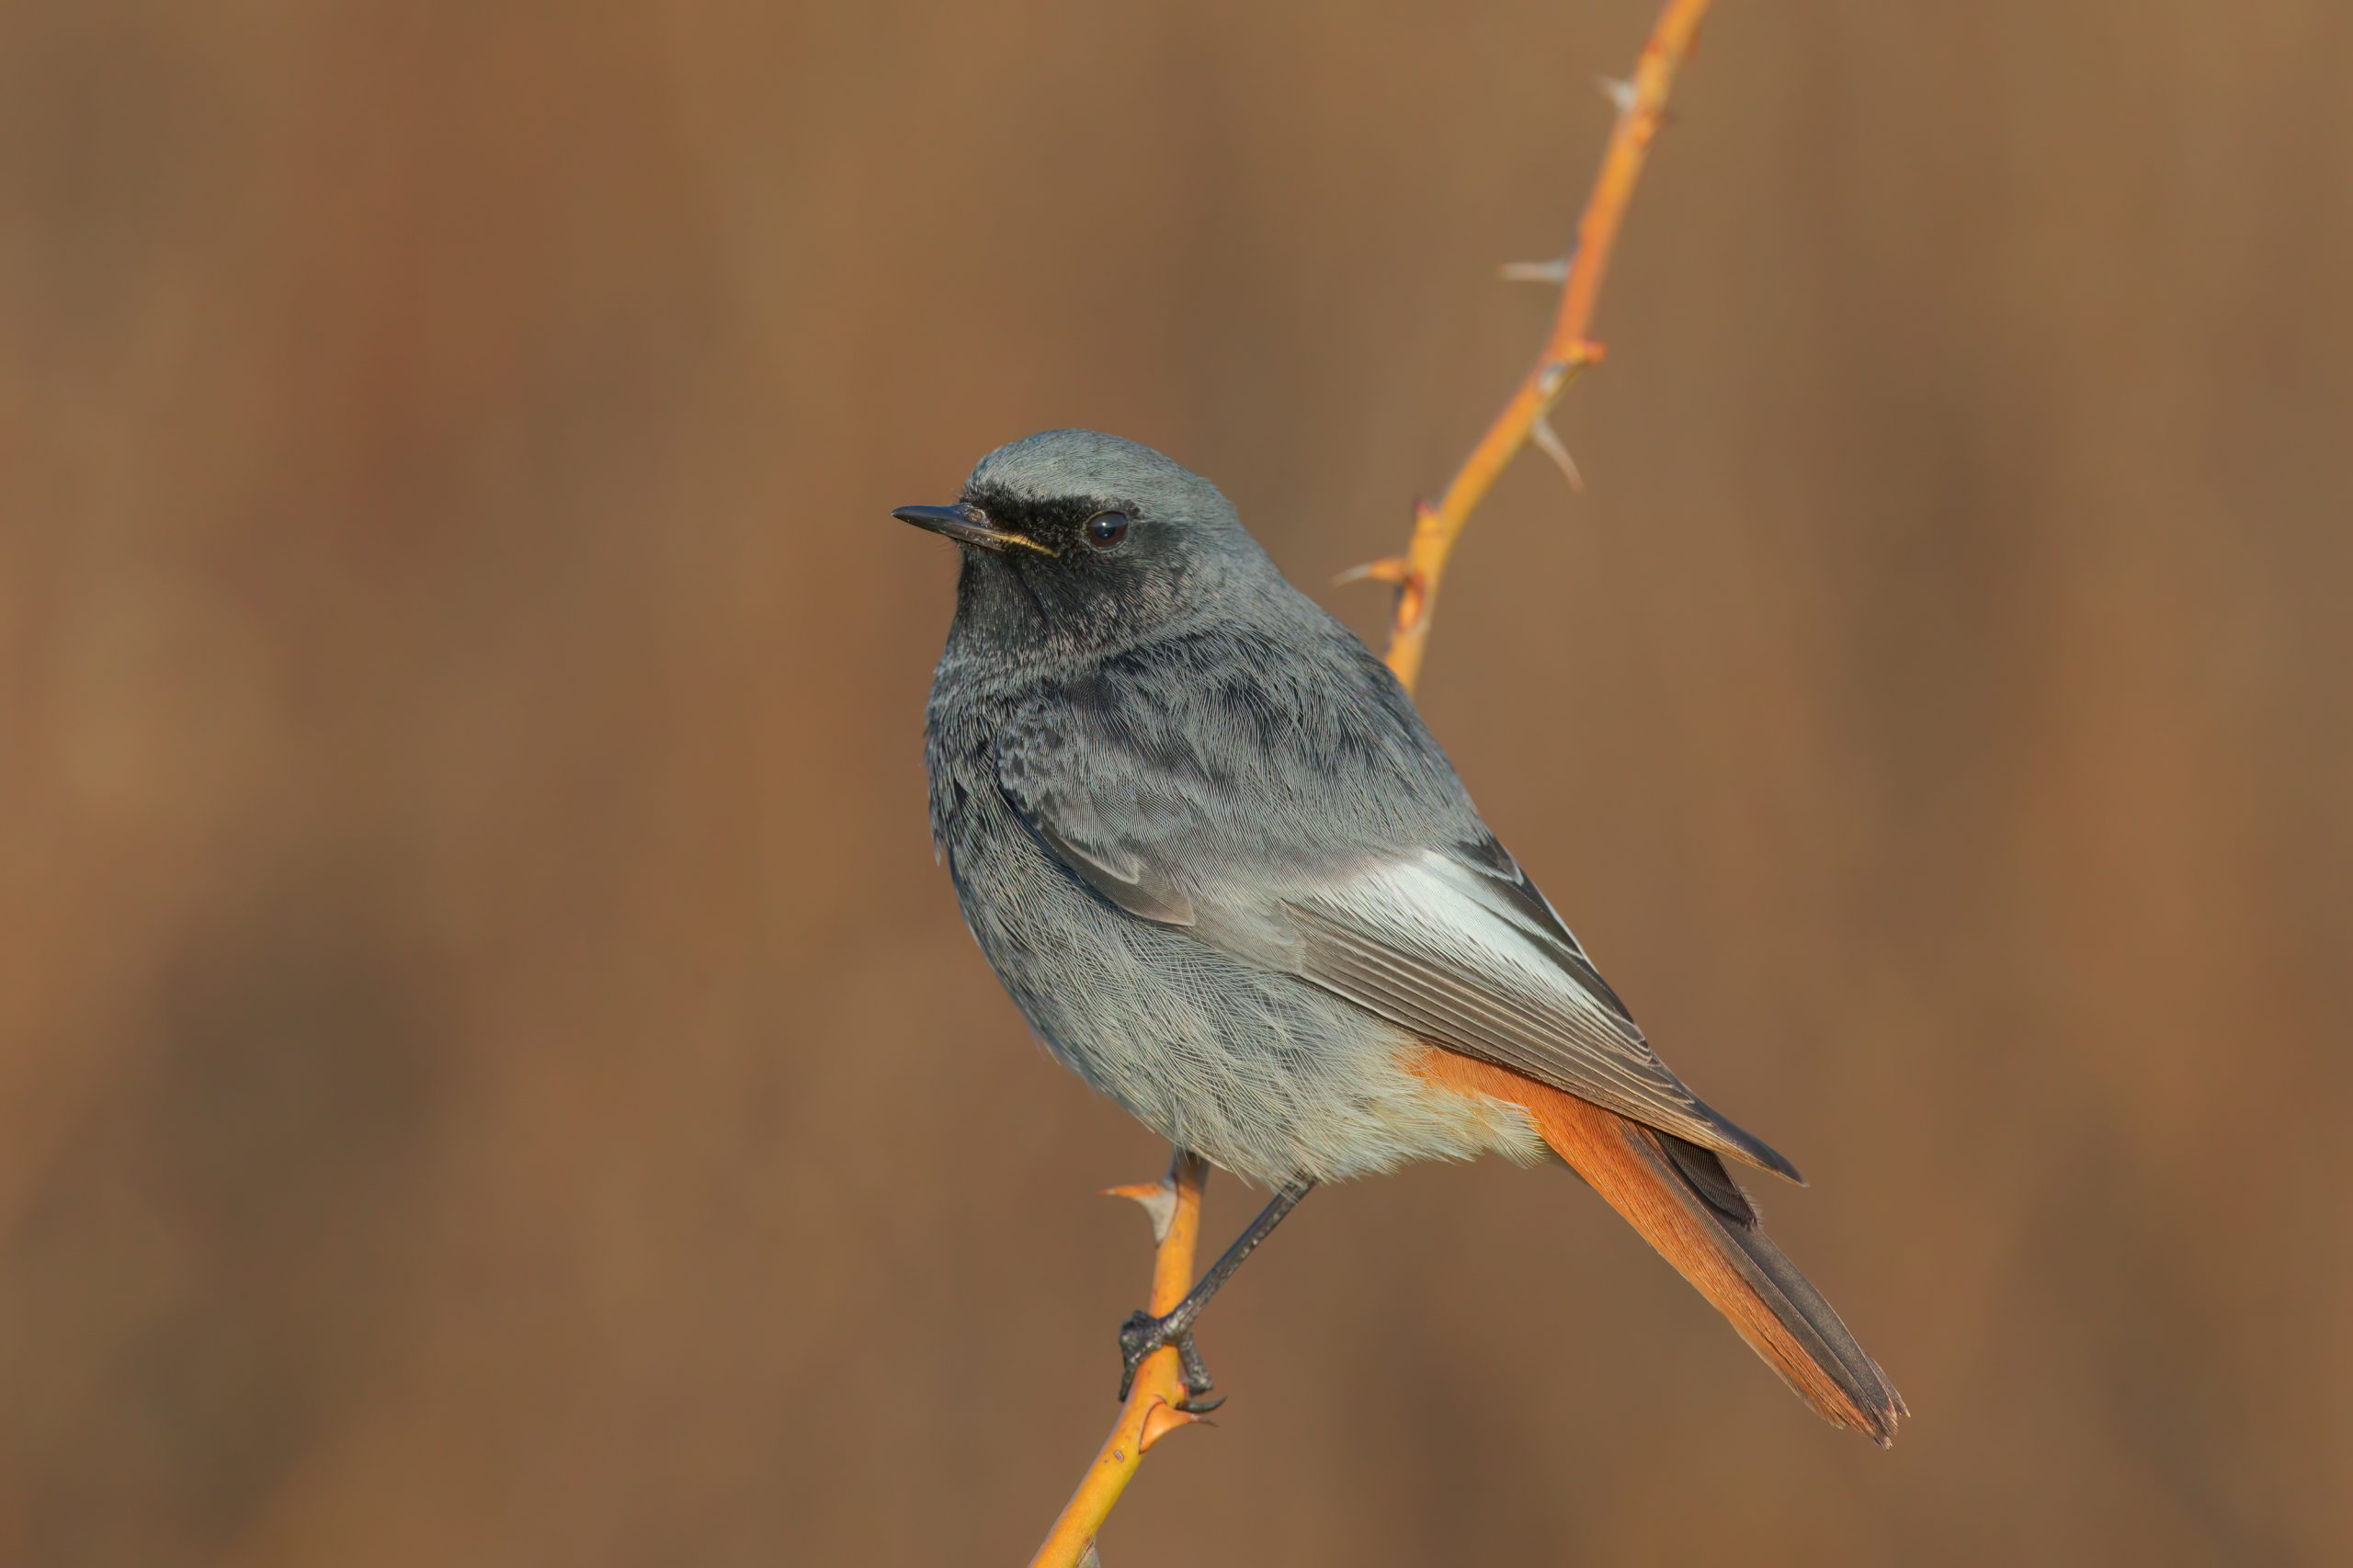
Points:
(1143, 1335)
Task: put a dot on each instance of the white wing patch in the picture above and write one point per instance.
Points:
(1432, 945)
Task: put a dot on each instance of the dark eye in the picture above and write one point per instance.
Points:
(1105, 529)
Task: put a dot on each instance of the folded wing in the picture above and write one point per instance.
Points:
(1478, 964)
(1453, 944)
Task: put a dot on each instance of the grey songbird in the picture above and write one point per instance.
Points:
(1202, 834)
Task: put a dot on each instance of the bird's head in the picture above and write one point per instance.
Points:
(1080, 541)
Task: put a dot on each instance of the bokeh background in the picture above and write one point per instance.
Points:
(490, 1073)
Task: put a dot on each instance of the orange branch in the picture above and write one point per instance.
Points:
(1150, 1412)
(1568, 350)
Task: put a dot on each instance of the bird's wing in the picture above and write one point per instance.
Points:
(1453, 943)
(1477, 962)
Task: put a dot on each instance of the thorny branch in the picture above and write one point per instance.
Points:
(1567, 351)
(1174, 1203)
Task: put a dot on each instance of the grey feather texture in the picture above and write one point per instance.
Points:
(1205, 840)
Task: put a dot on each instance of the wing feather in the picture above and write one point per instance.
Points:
(1413, 940)
(1380, 886)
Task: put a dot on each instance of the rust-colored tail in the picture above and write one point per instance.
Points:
(1684, 1204)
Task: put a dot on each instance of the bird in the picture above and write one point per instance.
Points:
(1209, 847)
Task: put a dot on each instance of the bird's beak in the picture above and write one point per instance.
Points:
(967, 525)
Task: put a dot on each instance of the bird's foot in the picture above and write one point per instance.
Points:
(1142, 1333)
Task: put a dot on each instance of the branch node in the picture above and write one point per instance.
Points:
(1620, 91)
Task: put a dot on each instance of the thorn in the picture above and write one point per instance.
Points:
(1159, 1421)
(1618, 91)
(1158, 1200)
(1554, 272)
(1398, 573)
(1548, 441)
(1393, 570)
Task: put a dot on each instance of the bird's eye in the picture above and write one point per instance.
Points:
(1105, 529)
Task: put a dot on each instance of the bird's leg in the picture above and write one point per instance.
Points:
(1142, 1333)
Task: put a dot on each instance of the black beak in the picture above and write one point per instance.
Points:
(967, 525)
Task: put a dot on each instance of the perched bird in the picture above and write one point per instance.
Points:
(1202, 836)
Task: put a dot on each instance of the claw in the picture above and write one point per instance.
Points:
(1142, 1335)
(1139, 1337)
(1195, 1371)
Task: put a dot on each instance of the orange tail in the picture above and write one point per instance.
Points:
(1684, 1204)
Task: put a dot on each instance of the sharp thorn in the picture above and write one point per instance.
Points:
(1548, 441)
(1160, 1420)
(1157, 1200)
(1554, 272)
(1391, 571)
(1618, 91)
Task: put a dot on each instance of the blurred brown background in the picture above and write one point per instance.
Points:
(490, 1073)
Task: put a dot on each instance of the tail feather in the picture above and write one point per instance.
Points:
(1684, 1202)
